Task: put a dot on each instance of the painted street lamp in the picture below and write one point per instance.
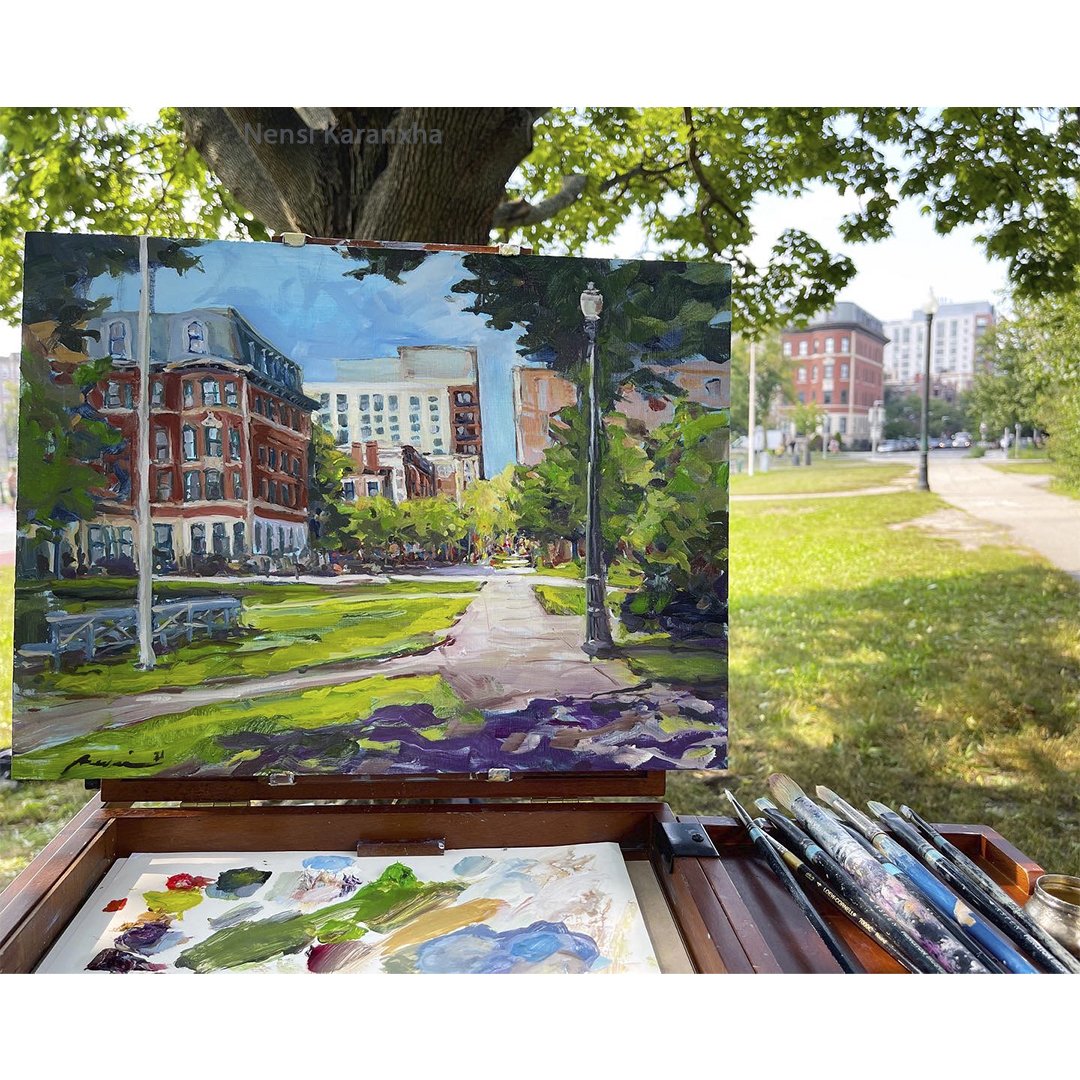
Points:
(598, 640)
(930, 309)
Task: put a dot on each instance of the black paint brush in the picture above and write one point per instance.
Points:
(765, 849)
(903, 944)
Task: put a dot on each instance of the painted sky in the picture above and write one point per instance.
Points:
(301, 301)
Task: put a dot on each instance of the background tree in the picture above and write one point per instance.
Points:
(330, 518)
(773, 379)
(491, 509)
(556, 178)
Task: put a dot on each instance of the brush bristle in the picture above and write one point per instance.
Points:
(740, 813)
(765, 804)
(827, 795)
(784, 790)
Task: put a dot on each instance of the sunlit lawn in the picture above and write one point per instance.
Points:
(1054, 469)
(843, 474)
(892, 665)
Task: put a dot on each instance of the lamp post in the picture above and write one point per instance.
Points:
(598, 640)
(930, 309)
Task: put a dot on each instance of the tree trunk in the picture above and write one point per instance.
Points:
(420, 174)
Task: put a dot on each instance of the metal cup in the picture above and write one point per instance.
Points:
(1055, 906)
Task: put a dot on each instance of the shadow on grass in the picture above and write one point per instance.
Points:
(959, 695)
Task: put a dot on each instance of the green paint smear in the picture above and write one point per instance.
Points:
(173, 901)
(392, 900)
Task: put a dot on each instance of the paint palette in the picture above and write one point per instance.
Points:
(480, 911)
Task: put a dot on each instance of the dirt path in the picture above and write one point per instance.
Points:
(503, 651)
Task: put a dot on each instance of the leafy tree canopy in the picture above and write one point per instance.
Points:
(557, 178)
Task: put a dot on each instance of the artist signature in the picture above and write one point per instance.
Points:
(105, 763)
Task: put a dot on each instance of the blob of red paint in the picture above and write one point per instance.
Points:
(115, 905)
(187, 882)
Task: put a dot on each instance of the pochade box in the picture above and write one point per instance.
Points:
(398, 574)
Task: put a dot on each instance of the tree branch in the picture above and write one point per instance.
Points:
(520, 212)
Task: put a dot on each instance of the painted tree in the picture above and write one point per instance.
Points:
(556, 178)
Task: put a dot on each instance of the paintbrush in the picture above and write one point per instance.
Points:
(804, 872)
(779, 867)
(996, 954)
(917, 958)
(986, 885)
(1003, 919)
(883, 888)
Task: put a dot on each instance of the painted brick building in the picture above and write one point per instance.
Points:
(230, 439)
(836, 362)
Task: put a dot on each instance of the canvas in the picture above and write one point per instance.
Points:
(485, 911)
(381, 509)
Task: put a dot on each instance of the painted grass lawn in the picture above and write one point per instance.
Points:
(818, 477)
(191, 736)
(892, 665)
(621, 574)
(292, 628)
(677, 664)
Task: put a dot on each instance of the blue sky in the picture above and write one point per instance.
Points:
(301, 300)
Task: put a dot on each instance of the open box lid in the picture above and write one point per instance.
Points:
(338, 513)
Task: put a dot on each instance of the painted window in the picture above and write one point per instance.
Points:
(234, 444)
(211, 392)
(220, 539)
(231, 397)
(192, 486)
(164, 485)
(196, 337)
(238, 538)
(190, 453)
(112, 395)
(161, 444)
(157, 393)
(189, 393)
(214, 488)
(213, 442)
(237, 485)
(118, 338)
(198, 539)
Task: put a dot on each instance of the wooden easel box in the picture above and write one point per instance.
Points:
(706, 915)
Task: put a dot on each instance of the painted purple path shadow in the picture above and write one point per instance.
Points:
(657, 728)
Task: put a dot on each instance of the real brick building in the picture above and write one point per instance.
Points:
(836, 364)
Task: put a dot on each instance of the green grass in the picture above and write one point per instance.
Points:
(890, 664)
(290, 628)
(560, 600)
(621, 574)
(191, 736)
(1054, 469)
(818, 477)
(675, 664)
(30, 816)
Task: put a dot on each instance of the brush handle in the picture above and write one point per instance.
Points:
(887, 890)
(836, 876)
(986, 884)
(805, 873)
(1003, 919)
(779, 867)
(996, 915)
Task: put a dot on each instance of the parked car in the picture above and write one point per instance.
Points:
(962, 440)
(889, 446)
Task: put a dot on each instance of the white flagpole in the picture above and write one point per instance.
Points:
(144, 530)
(751, 425)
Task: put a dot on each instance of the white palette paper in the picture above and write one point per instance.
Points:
(491, 910)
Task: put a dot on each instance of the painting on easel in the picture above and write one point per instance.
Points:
(368, 510)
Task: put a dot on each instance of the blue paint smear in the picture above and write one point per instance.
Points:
(472, 864)
(479, 950)
(328, 862)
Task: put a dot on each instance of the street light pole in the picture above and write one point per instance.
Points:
(598, 641)
(930, 309)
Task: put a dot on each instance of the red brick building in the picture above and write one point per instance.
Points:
(230, 438)
(836, 363)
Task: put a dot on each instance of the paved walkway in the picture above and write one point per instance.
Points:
(504, 651)
(1037, 519)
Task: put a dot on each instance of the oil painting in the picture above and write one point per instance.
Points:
(363, 510)
(565, 910)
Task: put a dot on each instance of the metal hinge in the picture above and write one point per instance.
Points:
(281, 779)
(500, 776)
(684, 840)
(509, 249)
(294, 239)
